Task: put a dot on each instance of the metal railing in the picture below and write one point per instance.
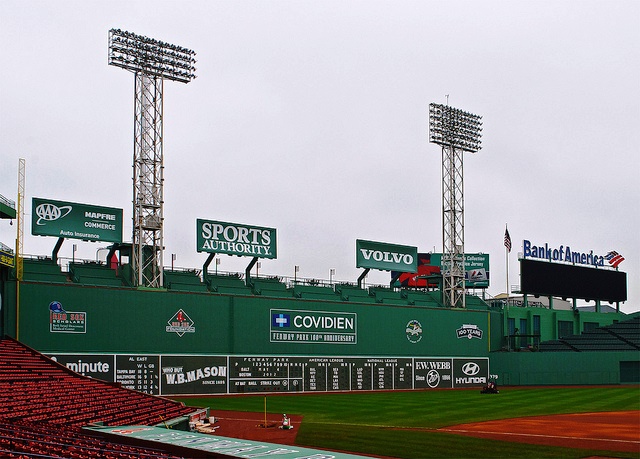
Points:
(7, 202)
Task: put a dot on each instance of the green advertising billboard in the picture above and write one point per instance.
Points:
(386, 257)
(76, 221)
(235, 239)
(476, 268)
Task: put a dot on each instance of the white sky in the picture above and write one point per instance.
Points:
(311, 117)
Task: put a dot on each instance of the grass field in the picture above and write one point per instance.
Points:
(403, 424)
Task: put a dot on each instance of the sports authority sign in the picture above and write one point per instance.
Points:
(386, 257)
(313, 327)
(76, 221)
(235, 239)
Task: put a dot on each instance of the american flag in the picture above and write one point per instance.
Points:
(614, 258)
(507, 239)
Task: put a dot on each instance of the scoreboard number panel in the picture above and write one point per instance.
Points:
(221, 374)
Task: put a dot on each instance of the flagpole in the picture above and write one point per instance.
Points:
(507, 249)
(506, 254)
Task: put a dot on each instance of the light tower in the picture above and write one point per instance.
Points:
(152, 61)
(456, 131)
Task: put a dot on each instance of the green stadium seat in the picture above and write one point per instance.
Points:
(94, 274)
(42, 270)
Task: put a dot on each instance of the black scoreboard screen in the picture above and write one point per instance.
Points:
(568, 281)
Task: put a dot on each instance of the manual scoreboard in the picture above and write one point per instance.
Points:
(215, 374)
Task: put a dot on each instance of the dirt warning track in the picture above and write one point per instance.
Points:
(613, 431)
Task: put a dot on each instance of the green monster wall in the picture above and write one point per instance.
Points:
(198, 343)
(140, 321)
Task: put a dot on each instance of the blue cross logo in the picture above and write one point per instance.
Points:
(280, 320)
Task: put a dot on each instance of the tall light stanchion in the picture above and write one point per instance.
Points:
(22, 168)
(152, 61)
(456, 131)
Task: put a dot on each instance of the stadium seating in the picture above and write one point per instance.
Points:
(628, 331)
(231, 284)
(44, 405)
(387, 295)
(353, 293)
(621, 336)
(475, 302)
(422, 298)
(40, 440)
(38, 388)
(184, 281)
(270, 286)
(94, 274)
(315, 292)
(42, 270)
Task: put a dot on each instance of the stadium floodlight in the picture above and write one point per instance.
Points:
(456, 131)
(152, 61)
(451, 127)
(140, 54)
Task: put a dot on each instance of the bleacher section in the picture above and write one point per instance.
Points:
(621, 336)
(628, 330)
(23, 440)
(270, 286)
(42, 270)
(231, 284)
(35, 389)
(387, 295)
(94, 274)
(475, 302)
(98, 274)
(353, 293)
(422, 298)
(43, 406)
(315, 292)
(184, 281)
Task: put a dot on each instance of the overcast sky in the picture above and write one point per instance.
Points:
(311, 117)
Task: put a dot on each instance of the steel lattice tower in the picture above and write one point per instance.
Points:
(455, 131)
(152, 62)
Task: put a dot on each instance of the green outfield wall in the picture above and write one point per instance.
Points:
(99, 319)
(548, 368)
(179, 342)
